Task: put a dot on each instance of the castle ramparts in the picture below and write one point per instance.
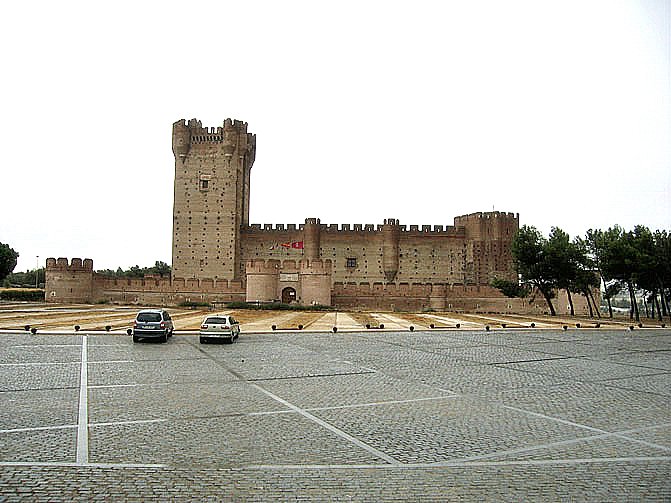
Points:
(219, 256)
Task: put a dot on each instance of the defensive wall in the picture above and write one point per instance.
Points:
(218, 256)
(473, 251)
(76, 282)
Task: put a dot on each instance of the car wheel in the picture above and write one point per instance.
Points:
(136, 338)
(171, 331)
(164, 337)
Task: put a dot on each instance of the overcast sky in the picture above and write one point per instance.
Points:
(363, 110)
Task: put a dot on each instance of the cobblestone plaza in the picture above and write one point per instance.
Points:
(378, 415)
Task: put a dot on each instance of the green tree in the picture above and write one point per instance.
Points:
(159, 268)
(662, 251)
(563, 261)
(620, 262)
(510, 288)
(587, 277)
(530, 253)
(7, 260)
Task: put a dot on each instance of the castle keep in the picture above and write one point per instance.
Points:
(219, 256)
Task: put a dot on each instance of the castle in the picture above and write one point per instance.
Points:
(219, 256)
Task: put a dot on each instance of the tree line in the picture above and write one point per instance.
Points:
(159, 268)
(36, 277)
(637, 262)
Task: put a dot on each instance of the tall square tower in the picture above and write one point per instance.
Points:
(211, 199)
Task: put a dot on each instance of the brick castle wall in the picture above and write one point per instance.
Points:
(219, 256)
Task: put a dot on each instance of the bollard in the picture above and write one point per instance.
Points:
(533, 325)
(77, 327)
(565, 327)
(577, 325)
(274, 327)
(108, 328)
(487, 328)
(432, 325)
(27, 328)
(335, 329)
(300, 327)
(129, 331)
(412, 329)
(33, 330)
(458, 325)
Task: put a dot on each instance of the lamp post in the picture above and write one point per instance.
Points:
(37, 270)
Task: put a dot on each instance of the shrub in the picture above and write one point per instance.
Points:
(22, 295)
(277, 306)
(194, 304)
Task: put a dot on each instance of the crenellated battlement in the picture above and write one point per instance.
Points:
(488, 215)
(438, 230)
(75, 265)
(191, 133)
(269, 266)
(256, 228)
(315, 266)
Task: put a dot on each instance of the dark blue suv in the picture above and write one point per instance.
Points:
(152, 324)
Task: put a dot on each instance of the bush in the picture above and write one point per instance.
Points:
(194, 304)
(510, 288)
(22, 295)
(277, 306)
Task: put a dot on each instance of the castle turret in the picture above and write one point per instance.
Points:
(181, 139)
(489, 237)
(391, 234)
(68, 282)
(311, 238)
(262, 280)
(315, 282)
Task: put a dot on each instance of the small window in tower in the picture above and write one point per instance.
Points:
(351, 262)
(204, 182)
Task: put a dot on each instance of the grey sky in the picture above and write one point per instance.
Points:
(364, 110)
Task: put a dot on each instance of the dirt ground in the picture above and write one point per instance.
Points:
(16, 316)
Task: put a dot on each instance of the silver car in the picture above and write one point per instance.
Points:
(152, 324)
(219, 327)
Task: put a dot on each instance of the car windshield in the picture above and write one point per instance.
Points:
(149, 317)
(216, 321)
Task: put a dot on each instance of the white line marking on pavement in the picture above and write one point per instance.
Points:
(41, 346)
(36, 364)
(589, 428)
(83, 426)
(123, 423)
(374, 404)
(101, 386)
(619, 434)
(39, 428)
(452, 464)
(330, 427)
(80, 465)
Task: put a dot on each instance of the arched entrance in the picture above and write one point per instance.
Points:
(288, 295)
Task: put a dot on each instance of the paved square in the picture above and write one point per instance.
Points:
(504, 415)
